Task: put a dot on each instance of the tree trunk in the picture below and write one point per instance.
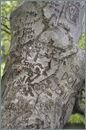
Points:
(45, 67)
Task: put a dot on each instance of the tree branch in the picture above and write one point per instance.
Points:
(4, 30)
(5, 26)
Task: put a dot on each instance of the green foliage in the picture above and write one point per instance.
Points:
(76, 118)
(2, 68)
(82, 43)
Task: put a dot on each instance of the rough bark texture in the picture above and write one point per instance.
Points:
(45, 67)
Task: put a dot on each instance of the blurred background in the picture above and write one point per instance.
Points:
(77, 119)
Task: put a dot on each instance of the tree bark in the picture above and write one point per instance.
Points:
(45, 66)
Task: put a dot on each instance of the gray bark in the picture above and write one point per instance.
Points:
(45, 67)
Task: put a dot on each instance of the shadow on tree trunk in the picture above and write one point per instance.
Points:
(74, 126)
